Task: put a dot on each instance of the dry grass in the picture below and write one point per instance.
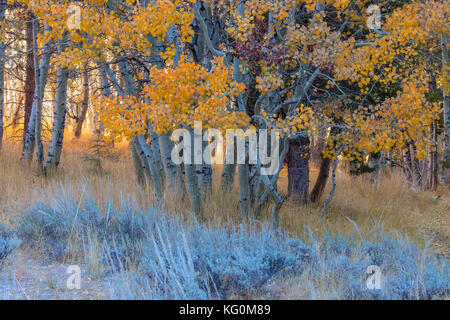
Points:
(388, 202)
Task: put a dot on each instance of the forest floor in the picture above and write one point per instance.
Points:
(387, 202)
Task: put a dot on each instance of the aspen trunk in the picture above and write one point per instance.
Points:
(2, 74)
(433, 177)
(29, 126)
(256, 184)
(56, 143)
(446, 72)
(244, 189)
(407, 166)
(145, 153)
(192, 182)
(417, 179)
(204, 172)
(229, 169)
(228, 173)
(43, 74)
(147, 157)
(321, 142)
(30, 84)
(318, 145)
(154, 145)
(172, 171)
(298, 169)
(142, 172)
(84, 104)
(33, 133)
(322, 178)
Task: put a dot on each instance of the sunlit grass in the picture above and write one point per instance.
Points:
(387, 201)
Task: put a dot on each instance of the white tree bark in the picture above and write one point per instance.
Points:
(172, 171)
(2, 74)
(43, 74)
(142, 172)
(446, 72)
(56, 143)
(33, 134)
(156, 149)
(147, 154)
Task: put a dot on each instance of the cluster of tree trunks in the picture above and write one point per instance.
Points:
(152, 152)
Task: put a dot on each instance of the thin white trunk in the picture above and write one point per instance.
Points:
(146, 155)
(56, 143)
(2, 73)
(33, 134)
(142, 172)
(172, 170)
(156, 149)
(43, 74)
(446, 72)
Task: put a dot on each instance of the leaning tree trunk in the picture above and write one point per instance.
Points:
(56, 143)
(147, 157)
(84, 104)
(318, 145)
(322, 178)
(325, 165)
(30, 84)
(298, 169)
(2, 73)
(142, 172)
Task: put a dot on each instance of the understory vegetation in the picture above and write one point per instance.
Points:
(130, 247)
(153, 255)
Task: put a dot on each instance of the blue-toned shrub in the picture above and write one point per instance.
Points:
(179, 260)
(8, 243)
(239, 260)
